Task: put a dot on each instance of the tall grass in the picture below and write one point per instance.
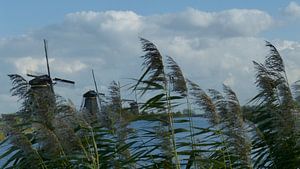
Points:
(49, 132)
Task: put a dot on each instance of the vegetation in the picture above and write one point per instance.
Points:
(1, 136)
(1, 132)
(48, 132)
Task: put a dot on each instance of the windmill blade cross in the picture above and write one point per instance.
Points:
(55, 81)
(63, 80)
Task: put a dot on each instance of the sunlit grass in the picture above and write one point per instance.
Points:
(1, 136)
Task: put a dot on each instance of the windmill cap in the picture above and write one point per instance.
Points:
(40, 80)
(90, 93)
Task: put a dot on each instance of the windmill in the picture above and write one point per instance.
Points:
(43, 80)
(90, 105)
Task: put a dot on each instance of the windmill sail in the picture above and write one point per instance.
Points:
(63, 82)
(55, 81)
(46, 54)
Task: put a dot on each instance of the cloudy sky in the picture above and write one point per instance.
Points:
(214, 42)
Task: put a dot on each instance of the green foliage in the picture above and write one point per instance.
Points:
(2, 136)
(275, 118)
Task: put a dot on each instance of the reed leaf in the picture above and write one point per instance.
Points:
(153, 63)
(177, 79)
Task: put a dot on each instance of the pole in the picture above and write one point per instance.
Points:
(48, 67)
(46, 53)
(95, 83)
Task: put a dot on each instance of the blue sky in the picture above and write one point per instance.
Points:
(18, 17)
(213, 41)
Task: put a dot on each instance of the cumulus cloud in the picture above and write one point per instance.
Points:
(211, 47)
(234, 22)
(68, 67)
(230, 81)
(293, 10)
(290, 53)
(107, 21)
(28, 64)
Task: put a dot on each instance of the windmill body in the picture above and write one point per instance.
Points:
(40, 81)
(90, 106)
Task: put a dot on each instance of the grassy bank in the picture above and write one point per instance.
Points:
(1, 136)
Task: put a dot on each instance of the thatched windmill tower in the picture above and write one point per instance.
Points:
(90, 107)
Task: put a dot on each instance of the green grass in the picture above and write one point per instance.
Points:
(1, 136)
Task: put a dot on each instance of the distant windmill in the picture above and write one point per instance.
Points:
(133, 105)
(41, 80)
(90, 106)
(90, 102)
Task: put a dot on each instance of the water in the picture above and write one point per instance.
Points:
(3, 149)
(142, 127)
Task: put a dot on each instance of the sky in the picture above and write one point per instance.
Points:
(213, 41)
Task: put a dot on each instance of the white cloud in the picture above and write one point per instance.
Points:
(38, 65)
(228, 23)
(230, 81)
(68, 67)
(293, 9)
(289, 51)
(212, 62)
(108, 21)
(245, 22)
(211, 47)
(29, 64)
(287, 45)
